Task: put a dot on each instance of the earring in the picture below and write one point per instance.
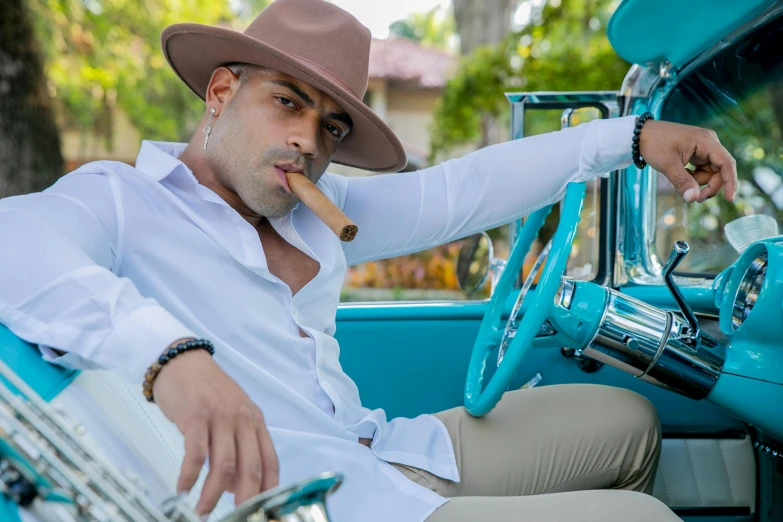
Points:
(208, 128)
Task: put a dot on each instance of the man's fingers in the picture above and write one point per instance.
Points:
(222, 465)
(248, 461)
(701, 176)
(714, 185)
(270, 474)
(719, 159)
(683, 181)
(196, 447)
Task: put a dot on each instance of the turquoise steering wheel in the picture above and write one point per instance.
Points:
(515, 338)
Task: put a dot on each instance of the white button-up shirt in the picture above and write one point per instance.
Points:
(113, 263)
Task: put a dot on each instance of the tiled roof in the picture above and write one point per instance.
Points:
(403, 59)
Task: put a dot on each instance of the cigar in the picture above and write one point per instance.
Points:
(321, 206)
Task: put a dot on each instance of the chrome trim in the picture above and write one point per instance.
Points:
(748, 290)
(513, 319)
(654, 345)
(662, 345)
(607, 102)
(637, 258)
(678, 253)
(304, 501)
(639, 82)
(631, 332)
(565, 294)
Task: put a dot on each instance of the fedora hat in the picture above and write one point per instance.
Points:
(311, 40)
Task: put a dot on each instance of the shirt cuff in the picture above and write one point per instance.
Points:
(607, 147)
(137, 342)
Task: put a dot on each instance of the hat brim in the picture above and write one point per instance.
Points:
(194, 51)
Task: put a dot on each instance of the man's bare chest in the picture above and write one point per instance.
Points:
(285, 261)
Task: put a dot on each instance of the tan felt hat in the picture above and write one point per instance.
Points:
(311, 40)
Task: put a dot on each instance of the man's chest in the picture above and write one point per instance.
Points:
(291, 265)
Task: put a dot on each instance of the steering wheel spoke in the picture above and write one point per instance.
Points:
(521, 330)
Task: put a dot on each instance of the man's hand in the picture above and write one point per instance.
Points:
(217, 420)
(669, 147)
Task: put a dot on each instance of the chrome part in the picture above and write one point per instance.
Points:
(94, 490)
(637, 260)
(303, 501)
(607, 102)
(678, 253)
(533, 382)
(655, 346)
(488, 264)
(565, 294)
(626, 319)
(496, 267)
(45, 464)
(473, 262)
(639, 82)
(514, 319)
(748, 290)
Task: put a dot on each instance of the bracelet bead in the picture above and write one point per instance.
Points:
(637, 131)
(168, 355)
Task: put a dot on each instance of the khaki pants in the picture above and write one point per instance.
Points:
(533, 458)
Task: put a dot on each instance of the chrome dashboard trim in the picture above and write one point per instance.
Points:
(654, 345)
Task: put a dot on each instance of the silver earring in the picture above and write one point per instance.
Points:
(208, 128)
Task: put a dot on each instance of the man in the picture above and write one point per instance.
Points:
(112, 265)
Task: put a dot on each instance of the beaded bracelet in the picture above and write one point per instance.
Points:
(637, 158)
(154, 369)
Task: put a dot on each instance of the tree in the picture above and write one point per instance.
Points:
(481, 23)
(562, 47)
(102, 54)
(30, 156)
(434, 28)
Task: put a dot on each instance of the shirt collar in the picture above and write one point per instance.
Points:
(158, 159)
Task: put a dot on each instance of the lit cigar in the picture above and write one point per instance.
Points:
(322, 206)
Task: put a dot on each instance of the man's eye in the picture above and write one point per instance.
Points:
(334, 130)
(286, 101)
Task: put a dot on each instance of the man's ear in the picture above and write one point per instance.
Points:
(222, 88)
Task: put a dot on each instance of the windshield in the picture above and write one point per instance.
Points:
(738, 94)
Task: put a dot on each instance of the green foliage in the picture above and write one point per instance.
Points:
(433, 28)
(564, 47)
(102, 53)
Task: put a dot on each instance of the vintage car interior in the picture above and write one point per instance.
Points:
(683, 305)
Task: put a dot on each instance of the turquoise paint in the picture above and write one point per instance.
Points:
(25, 360)
(415, 366)
(719, 286)
(644, 31)
(756, 348)
(480, 399)
(9, 511)
(756, 402)
(701, 298)
(581, 321)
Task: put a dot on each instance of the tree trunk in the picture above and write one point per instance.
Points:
(483, 22)
(30, 157)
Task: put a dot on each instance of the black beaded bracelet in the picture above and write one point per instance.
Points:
(154, 369)
(637, 131)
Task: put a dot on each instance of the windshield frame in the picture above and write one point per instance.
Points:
(647, 88)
